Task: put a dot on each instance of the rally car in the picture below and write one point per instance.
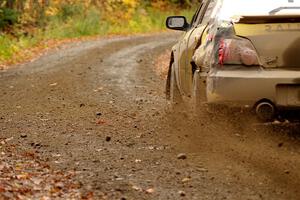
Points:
(238, 53)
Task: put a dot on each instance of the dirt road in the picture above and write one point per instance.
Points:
(98, 108)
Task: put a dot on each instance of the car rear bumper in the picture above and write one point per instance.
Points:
(243, 87)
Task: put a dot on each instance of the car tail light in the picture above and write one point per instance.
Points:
(237, 51)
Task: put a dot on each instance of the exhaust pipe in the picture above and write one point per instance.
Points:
(265, 111)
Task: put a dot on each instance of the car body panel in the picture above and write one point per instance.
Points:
(244, 87)
(183, 62)
(185, 49)
(193, 41)
(277, 44)
(275, 76)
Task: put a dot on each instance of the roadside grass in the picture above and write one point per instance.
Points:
(91, 23)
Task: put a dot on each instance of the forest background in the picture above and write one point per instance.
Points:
(28, 27)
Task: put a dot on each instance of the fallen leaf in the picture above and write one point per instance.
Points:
(101, 121)
(150, 190)
(53, 84)
(136, 188)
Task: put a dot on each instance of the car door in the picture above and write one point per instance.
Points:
(180, 62)
(192, 40)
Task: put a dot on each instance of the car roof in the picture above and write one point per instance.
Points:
(234, 9)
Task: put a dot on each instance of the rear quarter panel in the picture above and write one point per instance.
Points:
(277, 44)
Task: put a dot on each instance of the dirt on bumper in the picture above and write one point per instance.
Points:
(251, 85)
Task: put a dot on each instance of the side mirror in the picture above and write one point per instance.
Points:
(177, 23)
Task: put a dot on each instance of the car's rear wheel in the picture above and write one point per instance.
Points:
(174, 92)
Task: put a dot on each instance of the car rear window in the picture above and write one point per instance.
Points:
(234, 8)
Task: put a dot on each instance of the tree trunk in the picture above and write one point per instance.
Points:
(10, 4)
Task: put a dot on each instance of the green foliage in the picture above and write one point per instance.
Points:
(69, 10)
(8, 17)
(6, 49)
(84, 24)
(79, 20)
(10, 46)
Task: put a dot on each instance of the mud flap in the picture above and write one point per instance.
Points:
(175, 95)
(199, 91)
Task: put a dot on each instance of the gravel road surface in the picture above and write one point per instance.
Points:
(99, 108)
